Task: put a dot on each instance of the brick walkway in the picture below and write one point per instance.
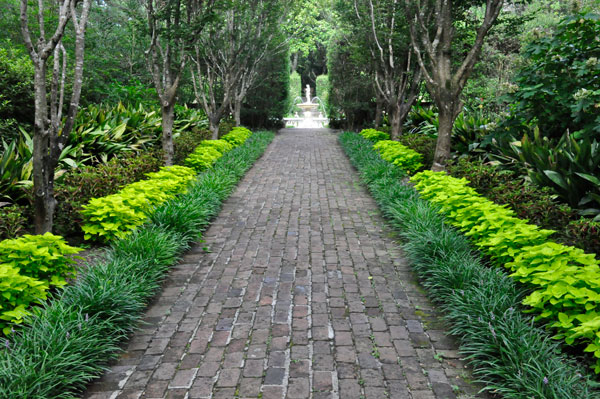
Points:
(299, 291)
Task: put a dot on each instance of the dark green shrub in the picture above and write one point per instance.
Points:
(421, 143)
(558, 88)
(186, 143)
(13, 221)
(16, 91)
(79, 186)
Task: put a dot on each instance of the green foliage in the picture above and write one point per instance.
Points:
(13, 221)
(322, 91)
(399, 155)
(237, 136)
(565, 279)
(421, 143)
(295, 91)
(16, 168)
(116, 215)
(374, 135)
(42, 257)
(186, 142)
(78, 186)
(17, 293)
(481, 304)
(71, 340)
(203, 158)
(269, 100)
(529, 201)
(569, 166)
(220, 145)
(558, 88)
(16, 91)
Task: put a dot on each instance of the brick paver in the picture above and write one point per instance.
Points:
(298, 291)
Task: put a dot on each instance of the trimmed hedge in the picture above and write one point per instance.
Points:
(509, 354)
(72, 339)
(566, 280)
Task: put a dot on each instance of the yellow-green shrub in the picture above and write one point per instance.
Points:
(220, 145)
(237, 136)
(566, 280)
(115, 216)
(374, 135)
(399, 155)
(203, 158)
(17, 294)
(43, 257)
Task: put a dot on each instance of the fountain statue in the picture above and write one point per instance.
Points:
(308, 120)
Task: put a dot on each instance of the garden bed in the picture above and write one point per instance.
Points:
(483, 305)
(72, 337)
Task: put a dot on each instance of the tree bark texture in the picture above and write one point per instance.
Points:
(168, 119)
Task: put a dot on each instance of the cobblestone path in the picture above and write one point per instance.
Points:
(299, 291)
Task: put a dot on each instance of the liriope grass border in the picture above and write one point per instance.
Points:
(509, 354)
(73, 337)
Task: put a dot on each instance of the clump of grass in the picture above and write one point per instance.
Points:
(510, 355)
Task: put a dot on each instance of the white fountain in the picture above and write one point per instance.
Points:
(309, 119)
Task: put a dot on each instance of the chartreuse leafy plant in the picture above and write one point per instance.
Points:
(511, 356)
(17, 294)
(566, 280)
(207, 153)
(71, 339)
(399, 155)
(374, 135)
(115, 216)
(29, 266)
(203, 157)
(43, 257)
(237, 136)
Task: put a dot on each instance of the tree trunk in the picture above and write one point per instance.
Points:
(214, 128)
(237, 112)
(395, 122)
(442, 148)
(43, 172)
(378, 114)
(168, 118)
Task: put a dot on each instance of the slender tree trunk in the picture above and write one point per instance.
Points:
(442, 148)
(168, 119)
(237, 112)
(43, 172)
(378, 114)
(395, 121)
(214, 128)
